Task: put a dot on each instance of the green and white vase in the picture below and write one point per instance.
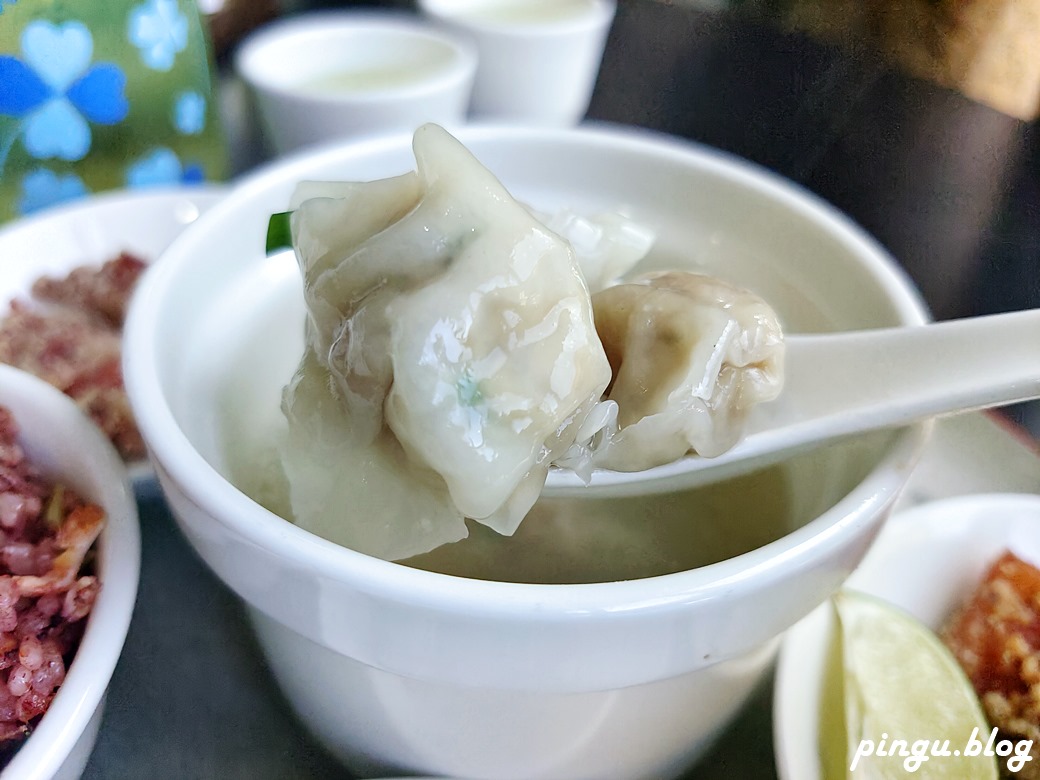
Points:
(103, 94)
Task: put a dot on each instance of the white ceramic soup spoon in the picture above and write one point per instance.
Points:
(838, 384)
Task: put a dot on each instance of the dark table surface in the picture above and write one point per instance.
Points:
(950, 187)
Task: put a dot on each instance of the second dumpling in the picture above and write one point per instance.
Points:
(690, 355)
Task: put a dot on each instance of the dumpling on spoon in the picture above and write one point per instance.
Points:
(691, 355)
(451, 356)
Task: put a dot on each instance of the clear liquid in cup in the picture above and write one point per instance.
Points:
(530, 12)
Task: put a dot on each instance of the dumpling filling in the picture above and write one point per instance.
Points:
(452, 356)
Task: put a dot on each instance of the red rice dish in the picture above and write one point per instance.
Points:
(47, 534)
(74, 343)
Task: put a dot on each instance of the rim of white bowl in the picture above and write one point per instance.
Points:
(119, 565)
(204, 486)
(112, 199)
(325, 25)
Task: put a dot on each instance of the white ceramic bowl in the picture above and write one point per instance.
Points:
(927, 560)
(333, 75)
(91, 231)
(64, 444)
(400, 669)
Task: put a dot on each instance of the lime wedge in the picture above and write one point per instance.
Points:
(907, 707)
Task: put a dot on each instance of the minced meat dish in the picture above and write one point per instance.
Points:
(74, 342)
(996, 638)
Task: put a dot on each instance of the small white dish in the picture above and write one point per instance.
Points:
(537, 59)
(331, 75)
(927, 560)
(63, 443)
(93, 230)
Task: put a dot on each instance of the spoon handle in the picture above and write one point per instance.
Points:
(864, 380)
(838, 384)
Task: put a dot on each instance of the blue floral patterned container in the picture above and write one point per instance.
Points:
(103, 94)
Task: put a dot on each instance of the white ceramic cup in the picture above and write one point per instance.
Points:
(538, 59)
(332, 75)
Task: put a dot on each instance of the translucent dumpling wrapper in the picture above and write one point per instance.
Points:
(608, 244)
(691, 356)
(451, 356)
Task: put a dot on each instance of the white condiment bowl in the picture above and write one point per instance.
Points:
(395, 668)
(537, 59)
(66, 446)
(928, 560)
(323, 76)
